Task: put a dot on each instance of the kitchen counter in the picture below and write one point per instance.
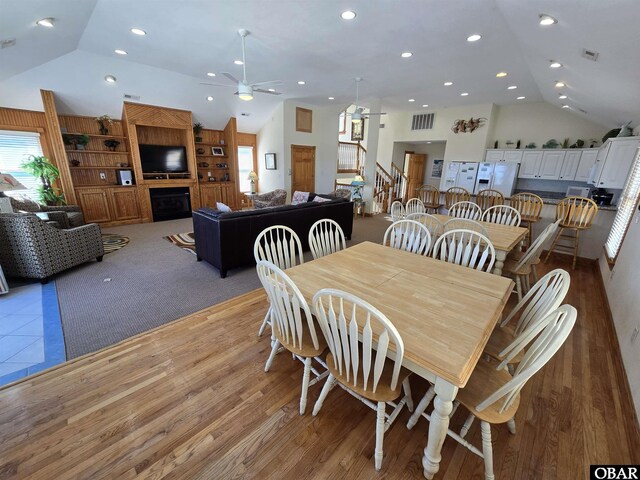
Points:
(553, 198)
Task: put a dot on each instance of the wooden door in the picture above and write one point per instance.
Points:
(95, 204)
(415, 172)
(125, 203)
(303, 168)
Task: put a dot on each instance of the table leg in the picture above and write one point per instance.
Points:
(501, 255)
(443, 404)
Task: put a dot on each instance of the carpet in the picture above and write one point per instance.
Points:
(112, 242)
(185, 241)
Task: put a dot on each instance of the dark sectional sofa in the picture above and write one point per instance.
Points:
(225, 240)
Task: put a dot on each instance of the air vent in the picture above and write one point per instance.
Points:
(7, 42)
(422, 121)
(245, 114)
(128, 96)
(382, 125)
(590, 54)
(583, 111)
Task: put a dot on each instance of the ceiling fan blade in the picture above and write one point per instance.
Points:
(231, 77)
(269, 83)
(266, 91)
(367, 114)
(218, 84)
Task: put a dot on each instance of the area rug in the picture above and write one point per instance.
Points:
(186, 241)
(112, 242)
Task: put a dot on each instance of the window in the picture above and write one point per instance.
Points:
(15, 148)
(245, 165)
(626, 208)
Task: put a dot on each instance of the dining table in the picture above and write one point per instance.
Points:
(444, 313)
(503, 237)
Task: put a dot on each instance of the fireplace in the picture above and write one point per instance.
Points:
(170, 203)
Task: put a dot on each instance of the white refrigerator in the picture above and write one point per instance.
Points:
(460, 174)
(500, 176)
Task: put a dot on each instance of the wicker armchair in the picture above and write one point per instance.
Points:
(270, 199)
(67, 216)
(32, 248)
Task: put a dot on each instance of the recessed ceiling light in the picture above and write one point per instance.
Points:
(348, 15)
(560, 84)
(464, 94)
(565, 106)
(138, 31)
(302, 82)
(501, 74)
(448, 84)
(562, 97)
(520, 98)
(474, 38)
(271, 89)
(555, 65)
(46, 22)
(210, 98)
(211, 74)
(412, 99)
(512, 87)
(110, 79)
(331, 98)
(547, 20)
(238, 62)
(120, 52)
(406, 54)
(425, 105)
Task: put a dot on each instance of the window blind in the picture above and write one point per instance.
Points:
(15, 148)
(626, 208)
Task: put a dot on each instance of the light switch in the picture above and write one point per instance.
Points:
(103, 176)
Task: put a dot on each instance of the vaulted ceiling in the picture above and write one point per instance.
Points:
(294, 40)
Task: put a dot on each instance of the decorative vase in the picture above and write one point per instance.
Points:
(75, 162)
(253, 187)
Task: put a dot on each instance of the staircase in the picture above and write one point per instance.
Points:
(351, 157)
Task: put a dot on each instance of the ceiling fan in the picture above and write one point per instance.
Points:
(358, 114)
(245, 89)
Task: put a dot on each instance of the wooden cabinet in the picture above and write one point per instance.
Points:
(614, 161)
(212, 193)
(587, 161)
(107, 205)
(530, 165)
(125, 204)
(95, 204)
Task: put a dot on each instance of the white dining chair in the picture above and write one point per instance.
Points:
(326, 237)
(465, 210)
(293, 325)
(369, 370)
(397, 211)
(432, 223)
(466, 224)
(467, 248)
(503, 215)
(502, 404)
(408, 235)
(414, 205)
(281, 246)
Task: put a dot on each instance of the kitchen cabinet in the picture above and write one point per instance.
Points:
(587, 160)
(613, 162)
(503, 156)
(494, 156)
(570, 165)
(530, 165)
(111, 204)
(551, 164)
(512, 156)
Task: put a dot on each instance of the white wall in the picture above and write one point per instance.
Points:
(270, 139)
(622, 285)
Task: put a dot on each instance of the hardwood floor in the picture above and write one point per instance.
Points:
(191, 400)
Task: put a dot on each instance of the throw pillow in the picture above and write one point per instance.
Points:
(320, 199)
(22, 203)
(299, 197)
(222, 207)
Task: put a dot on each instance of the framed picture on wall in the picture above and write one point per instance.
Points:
(436, 170)
(217, 151)
(357, 130)
(270, 161)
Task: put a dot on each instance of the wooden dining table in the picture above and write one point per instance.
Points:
(443, 312)
(503, 237)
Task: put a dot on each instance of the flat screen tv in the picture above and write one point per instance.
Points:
(163, 159)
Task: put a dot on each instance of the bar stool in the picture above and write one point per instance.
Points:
(530, 206)
(574, 213)
(430, 197)
(489, 198)
(455, 195)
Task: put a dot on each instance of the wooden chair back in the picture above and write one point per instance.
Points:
(279, 245)
(529, 205)
(414, 205)
(535, 249)
(454, 195)
(429, 195)
(466, 224)
(576, 212)
(465, 209)
(467, 248)
(326, 237)
(489, 198)
(503, 215)
(349, 325)
(292, 317)
(408, 235)
(557, 327)
(432, 223)
(397, 211)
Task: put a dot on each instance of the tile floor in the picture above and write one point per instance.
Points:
(30, 331)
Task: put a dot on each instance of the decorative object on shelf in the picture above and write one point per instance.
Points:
(531, 145)
(611, 133)
(225, 177)
(565, 143)
(593, 143)
(509, 144)
(222, 165)
(495, 144)
(122, 164)
(553, 143)
(467, 126)
(270, 161)
(41, 168)
(625, 130)
(200, 176)
(252, 177)
(518, 144)
(200, 151)
(203, 164)
(75, 162)
(358, 182)
(212, 179)
(103, 121)
(197, 130)
(579, 144)
(79, 142)
(217, 151)
(111, 144)
(8, 182)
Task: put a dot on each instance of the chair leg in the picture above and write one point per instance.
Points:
(534, 271)
(553, 245)
(467, 425)
(272, 355)
(305, 384)
(328, 385)
(487, 450)
(422, 406)
(512, 426)
(379, 434)
(529, 228)
(407, 393)
(575, 248)
(267, 320)
(519, 287)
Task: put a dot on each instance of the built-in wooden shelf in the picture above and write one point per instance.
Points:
(166, 176)
(210, 156)
(108, 152)
(94, 135)
(213, 168)
(99, 167)
(211, 144)
(104, 184)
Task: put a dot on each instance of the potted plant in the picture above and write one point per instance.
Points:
(41, 168)
(103, 122)
(197, 130)
(82, 141)
(111, 144)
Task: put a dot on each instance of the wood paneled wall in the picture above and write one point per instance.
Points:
(83, 124)
(161, 136)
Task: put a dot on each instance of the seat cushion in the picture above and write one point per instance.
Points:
(76, 219)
